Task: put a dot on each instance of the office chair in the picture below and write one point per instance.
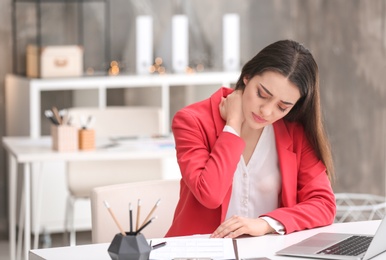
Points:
(118, 198)
(82, 177)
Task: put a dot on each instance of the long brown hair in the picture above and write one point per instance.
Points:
(295, 62)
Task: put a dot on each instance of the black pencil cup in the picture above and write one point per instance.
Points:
(129, 247)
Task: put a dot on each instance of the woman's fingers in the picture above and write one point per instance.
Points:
(227, 227)
(237, 226)
(233, 108)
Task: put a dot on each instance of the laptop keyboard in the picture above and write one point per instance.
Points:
(353, 246)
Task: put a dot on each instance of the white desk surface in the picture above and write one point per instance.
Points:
(25, 151)
(264, 246)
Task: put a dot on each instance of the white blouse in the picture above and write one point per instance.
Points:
(257, 186)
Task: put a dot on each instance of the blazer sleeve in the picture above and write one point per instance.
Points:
(207, 162)
(309, 200)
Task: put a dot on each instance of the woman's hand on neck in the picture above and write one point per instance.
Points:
(231, 110)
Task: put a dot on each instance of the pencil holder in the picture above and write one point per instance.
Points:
(129, 247)
(64, 138)
(86, 139)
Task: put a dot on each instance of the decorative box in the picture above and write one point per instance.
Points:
(54, 61)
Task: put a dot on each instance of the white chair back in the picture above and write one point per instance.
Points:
(119, 196)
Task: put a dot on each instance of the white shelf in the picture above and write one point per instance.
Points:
(24, 104)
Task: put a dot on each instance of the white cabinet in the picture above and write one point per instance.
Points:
(23, 118)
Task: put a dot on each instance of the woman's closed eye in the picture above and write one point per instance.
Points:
(282, 109)
(262, 95)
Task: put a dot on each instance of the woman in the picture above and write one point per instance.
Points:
(256, 160)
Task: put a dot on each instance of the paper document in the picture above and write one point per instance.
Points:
(213, 248)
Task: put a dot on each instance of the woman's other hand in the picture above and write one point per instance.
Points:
(237, 226)
(231, 110)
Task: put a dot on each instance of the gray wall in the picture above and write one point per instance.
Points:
(347, 37)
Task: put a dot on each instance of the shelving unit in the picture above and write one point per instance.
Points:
(80, 30)
(23, 94)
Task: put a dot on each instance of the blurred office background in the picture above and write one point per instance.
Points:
(347, 38)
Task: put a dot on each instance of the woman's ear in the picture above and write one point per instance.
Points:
(246, 79)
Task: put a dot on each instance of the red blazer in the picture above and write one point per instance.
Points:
(208, 157)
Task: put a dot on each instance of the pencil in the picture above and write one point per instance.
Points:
(114, 218)
(150, 213)
(56, 115)
(131, 218)
(143, 226)
(158, 245)
(138, 213)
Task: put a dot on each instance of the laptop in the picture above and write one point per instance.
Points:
(339, 246)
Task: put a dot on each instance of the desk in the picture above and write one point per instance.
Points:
(25, 151)
(264, 246)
